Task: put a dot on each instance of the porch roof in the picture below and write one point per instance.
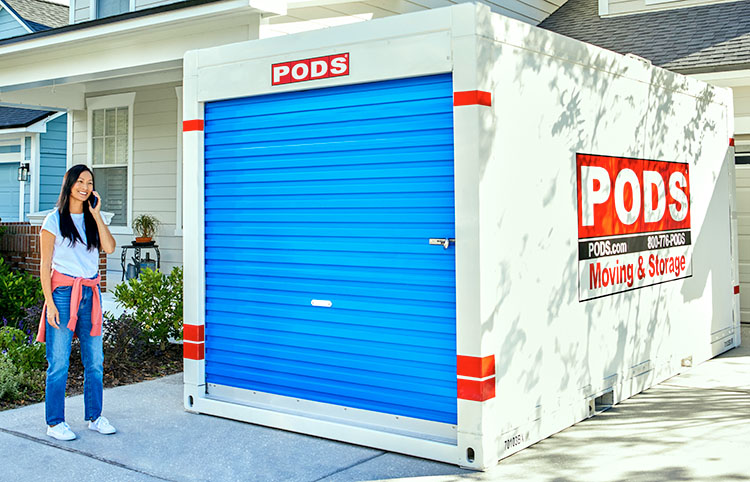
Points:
(11, 117)
(49, 69)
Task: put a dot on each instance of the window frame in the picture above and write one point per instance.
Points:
(109, 102)
(742, 150)
(94, 9)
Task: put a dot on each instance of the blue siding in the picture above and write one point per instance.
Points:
(332, 194)
(9, 26)
(52, 153)
(9, 191)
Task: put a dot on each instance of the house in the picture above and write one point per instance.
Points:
(34, 140)
(705, 39)
(116, 70)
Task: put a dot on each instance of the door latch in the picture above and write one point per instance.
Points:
(444, 242)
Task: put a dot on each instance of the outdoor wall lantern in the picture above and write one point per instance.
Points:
(23, 172)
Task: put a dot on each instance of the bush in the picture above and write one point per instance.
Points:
(123, 339)
(22, 364)
(20, 347)
(156, 303)
(10, 380)
(17, 292)
(29, 323)
(16, 384)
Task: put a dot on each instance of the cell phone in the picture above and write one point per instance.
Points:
(93, 200)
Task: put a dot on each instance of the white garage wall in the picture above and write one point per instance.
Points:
(742, 140)
(743, 223)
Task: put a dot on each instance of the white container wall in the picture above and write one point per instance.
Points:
(448, 234)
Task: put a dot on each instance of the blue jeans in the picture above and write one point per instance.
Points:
(58, 356)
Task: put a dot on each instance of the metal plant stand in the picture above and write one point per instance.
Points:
(137, 256)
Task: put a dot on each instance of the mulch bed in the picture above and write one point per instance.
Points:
(148, 366)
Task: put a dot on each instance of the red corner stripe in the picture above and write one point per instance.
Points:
(731, 141)
(476, 390)
(193, 333)
(475, 367)
(192, 125)
(192, 351)
(737, 289)
(472, 97)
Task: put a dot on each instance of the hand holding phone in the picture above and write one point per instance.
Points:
(93, 200)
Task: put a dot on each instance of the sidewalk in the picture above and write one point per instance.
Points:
(693, 427)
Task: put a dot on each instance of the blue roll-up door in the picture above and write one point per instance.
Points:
(332, 195)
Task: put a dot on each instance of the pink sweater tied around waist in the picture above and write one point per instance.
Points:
(59, 279)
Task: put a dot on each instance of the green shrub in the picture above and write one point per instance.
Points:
(10, 380)
(16, 384)
(156, 303)
(123, 339)
(29, 358)
(29, 322)
(25, 353)
(11, 338)
(17, 292)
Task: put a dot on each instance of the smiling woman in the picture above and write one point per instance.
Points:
(71, 238)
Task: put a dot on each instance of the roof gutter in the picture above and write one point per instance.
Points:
(711, 69)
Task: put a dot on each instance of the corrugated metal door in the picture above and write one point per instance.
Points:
(332, 195)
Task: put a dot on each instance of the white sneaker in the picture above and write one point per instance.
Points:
(61, 431)
(102, 425)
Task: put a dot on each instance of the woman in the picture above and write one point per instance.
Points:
(71, 238)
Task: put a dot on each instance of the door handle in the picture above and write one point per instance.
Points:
(444, 242)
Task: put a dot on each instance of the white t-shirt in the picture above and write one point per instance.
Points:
(75, 260)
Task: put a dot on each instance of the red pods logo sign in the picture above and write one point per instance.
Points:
(633, 223)
(310, 69)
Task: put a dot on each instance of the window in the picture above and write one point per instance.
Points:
(742, 153)
(107, 8)
(110, 148)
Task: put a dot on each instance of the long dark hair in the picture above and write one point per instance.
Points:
(67, 227)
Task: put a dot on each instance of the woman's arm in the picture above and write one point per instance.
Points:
(45, 275)
(105, 237)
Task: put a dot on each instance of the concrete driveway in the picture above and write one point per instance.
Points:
(693, 427)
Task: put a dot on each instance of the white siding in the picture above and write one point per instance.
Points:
(82, 8)
(154, 187)
(742, 133)
(141, 4)
(743, 222)
(742, 102)
(82, 11)
(624, 7)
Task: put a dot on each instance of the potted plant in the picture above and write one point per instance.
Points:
(145, 226)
